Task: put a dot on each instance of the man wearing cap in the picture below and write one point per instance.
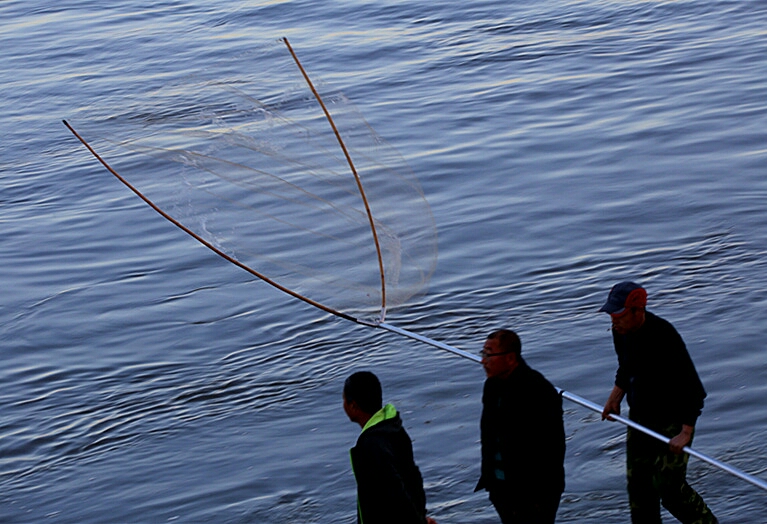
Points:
(523, 436)
(664, 393)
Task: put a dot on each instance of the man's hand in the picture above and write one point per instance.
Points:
(680, 441)
(430, 520)
(613, 404)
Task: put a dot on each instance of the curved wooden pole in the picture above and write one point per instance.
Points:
(202, 240)
(354, 172)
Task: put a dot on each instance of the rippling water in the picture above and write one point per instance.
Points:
(562, 146)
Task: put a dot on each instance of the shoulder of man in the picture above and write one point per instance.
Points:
(372, 447)
(661, 326)
(654, 320)
(534, 375)
(538, 384)
(382, 430)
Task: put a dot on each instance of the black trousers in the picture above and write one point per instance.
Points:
(519, 508)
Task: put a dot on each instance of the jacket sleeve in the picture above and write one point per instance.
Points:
(549, 439)
(691, 392)
(622, 374)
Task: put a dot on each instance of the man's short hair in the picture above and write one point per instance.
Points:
(508, 341)
(364, 388)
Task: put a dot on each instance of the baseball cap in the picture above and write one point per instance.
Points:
(623, 295)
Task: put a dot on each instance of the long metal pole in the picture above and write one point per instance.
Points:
(587, 404)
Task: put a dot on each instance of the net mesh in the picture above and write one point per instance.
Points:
(249, 163)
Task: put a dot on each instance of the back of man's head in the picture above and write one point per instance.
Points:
(364, 388)
(508, 341)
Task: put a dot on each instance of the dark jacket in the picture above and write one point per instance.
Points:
(389, 484)
(658, 375)
(523, 436)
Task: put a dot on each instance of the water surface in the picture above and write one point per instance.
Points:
(562, 146)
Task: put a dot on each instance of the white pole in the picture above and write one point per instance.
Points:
(702, 456)
(585, 403)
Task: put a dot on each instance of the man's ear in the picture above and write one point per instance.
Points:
(353, 409)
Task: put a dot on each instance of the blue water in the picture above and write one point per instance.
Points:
(562, 146)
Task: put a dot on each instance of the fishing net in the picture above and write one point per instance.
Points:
(242, 156)
(249, 163)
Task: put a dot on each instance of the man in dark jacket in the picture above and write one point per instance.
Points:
(664, 393)
(389, 484)
(523, 437)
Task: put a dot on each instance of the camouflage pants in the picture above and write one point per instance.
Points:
(656, 476)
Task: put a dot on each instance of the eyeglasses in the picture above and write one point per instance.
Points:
(485, 354)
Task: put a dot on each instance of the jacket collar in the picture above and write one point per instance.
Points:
(385, 413)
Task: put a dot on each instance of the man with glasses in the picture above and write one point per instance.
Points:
(664, 393)
(523, 436)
